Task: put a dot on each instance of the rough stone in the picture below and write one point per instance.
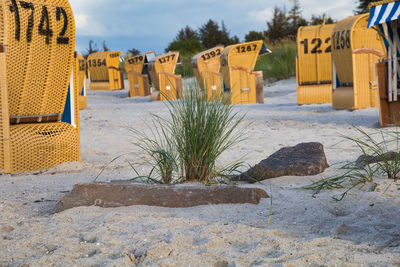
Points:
(125, 193)
(363, 160)
(301, 160)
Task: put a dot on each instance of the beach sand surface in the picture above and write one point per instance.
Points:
(304, 229)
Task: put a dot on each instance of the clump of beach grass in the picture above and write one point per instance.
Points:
(187, 144)
(380, 155)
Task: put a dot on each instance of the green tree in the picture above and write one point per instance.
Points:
(254, 36)
(296, 20)
(91, 49)
(225, 38)
(133, 52)
(278, 27)
(235, 39)
(319, 19)
(186, 34)
(186, 47)
(363, 6)
(187, 42)
(105, 47)
(211, 35)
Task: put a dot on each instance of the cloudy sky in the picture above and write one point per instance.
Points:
(152, 24)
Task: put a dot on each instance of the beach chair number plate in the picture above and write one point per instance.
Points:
(44, 27)
(135, 60)
(97, 63)
(341, 40)
(317, 48)
(82, 65)
(210, 55)
(245, 49)
(166, 59)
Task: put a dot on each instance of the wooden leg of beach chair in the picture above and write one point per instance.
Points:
(259, 87)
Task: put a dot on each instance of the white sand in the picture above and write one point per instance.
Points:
(362, 230)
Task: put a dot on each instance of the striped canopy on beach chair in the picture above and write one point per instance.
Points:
(385, 15)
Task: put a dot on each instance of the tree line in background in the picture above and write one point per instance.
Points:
(282, 26)
(281, 29)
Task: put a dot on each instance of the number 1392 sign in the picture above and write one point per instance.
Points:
(44, 28)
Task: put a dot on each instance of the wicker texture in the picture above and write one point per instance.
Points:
(104, 71)
(206, 68)
(34, 76)
(378, 3)
(2, 23)
(356, 71)
(314, 65)
(41, 145)
(77, 83)
(4, 116)
(237, 64)
(35, 69)
(162, 73)
(80, 77)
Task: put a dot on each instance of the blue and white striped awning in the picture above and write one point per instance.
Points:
(384, 13)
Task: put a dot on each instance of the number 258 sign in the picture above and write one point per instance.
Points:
(26, 8)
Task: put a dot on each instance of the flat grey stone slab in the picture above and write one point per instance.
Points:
(125, 193)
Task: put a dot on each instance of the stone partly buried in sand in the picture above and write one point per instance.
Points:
(126, 193)
(301, 160)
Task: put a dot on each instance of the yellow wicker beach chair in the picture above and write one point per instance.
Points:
(36, 58)
(240, 81)
(163, 78)
(81, 80)
(206, 68)
(104, 71)
(385, 18)
(355, 51)
(137, 69)
(314, 64)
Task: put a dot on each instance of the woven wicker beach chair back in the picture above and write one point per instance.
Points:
(355, 51)
(81, 80)
(163, 78)
(39, 38)
(104, 71)
(37, 42)
(237, 65)
(206, 67)
(136, 68)
(314, 64)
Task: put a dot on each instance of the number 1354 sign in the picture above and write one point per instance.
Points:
(45, 28)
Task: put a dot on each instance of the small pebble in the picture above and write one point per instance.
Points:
(221, 264)
(51, 248)
(7, 228)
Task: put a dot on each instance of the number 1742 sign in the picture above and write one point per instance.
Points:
(21, 9)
